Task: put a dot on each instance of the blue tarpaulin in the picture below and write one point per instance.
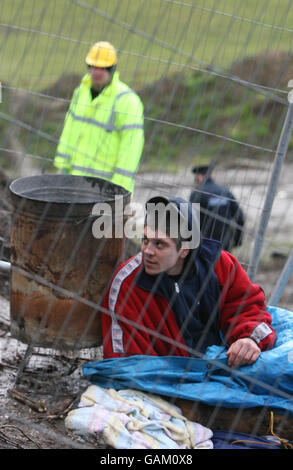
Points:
(208, 379)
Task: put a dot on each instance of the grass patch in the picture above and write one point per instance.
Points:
(42, 40)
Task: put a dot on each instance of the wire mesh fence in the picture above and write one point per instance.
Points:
(214, 80)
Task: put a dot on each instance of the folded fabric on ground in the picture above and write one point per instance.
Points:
(267, 382)
(129, 419)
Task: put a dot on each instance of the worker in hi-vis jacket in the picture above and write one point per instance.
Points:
(103, 132)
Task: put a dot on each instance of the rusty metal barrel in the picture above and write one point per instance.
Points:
(60, 270)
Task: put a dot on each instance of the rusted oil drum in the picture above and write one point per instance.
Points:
(60, 270)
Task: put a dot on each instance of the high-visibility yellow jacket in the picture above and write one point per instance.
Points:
(104, 136)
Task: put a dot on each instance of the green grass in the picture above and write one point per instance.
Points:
(159, 41)
(152, 36)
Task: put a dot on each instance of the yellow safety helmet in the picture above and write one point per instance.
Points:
(102, 54)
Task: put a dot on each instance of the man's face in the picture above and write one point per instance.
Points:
(100, 77)
(160, 253)
(199, 178)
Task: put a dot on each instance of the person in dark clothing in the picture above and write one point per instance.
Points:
(221, 217)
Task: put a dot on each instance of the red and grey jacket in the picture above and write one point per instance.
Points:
(212, 302)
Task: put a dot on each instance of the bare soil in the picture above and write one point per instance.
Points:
(36, 398)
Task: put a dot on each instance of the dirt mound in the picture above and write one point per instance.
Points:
(273, 69)
(64, 87)
(5, 217)
(5, 204)
(4, 180)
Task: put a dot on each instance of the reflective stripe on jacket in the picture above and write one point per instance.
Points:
(103, 136)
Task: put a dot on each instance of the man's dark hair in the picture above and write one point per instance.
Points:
(163, 218)
(173, 217)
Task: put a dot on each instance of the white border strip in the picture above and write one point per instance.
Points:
(117, 333)
(260, 332)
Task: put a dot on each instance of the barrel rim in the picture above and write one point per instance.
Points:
(109, 195)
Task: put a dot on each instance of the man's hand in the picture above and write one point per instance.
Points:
(243, 352)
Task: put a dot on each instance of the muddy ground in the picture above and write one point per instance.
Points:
(46, 390)
(52, 381)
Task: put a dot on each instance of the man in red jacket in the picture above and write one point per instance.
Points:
(182, 294)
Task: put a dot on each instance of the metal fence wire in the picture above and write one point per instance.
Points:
(215, 85)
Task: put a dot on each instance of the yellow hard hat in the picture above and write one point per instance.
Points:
(101, 54)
